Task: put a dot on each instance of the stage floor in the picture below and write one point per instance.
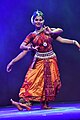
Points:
(60, 111)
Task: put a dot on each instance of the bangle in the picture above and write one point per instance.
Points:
(28, 48)
(74, 42)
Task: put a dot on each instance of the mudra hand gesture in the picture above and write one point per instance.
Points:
(76, 43)
(33, 48)
(9, 66)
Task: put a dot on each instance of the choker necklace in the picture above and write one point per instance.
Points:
(39, 31)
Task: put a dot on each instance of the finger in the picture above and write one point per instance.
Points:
(37, 46)
(45, 27)
(9, 70)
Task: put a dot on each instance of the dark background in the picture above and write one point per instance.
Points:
(15, 25)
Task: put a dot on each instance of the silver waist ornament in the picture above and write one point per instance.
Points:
(45, 44)
(44, 55)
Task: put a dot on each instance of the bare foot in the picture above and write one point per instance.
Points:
(16, 104)
(46, 107)
(25, 106)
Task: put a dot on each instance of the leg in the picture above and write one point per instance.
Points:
(17, 105)
(45, 105)
(25, 106)
(20, 105)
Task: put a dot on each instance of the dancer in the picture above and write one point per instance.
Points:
(42, 81)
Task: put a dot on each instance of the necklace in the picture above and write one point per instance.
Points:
(37, 33)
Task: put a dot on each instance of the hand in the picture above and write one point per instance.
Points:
(9, 66)
(47, 30)
(35, 48)
(76, 43)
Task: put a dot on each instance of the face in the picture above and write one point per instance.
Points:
(38, 21)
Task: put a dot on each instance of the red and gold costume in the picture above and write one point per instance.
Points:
(42, 81)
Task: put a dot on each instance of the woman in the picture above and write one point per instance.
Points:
(42, 81)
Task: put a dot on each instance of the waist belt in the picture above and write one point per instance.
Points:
(45, 55)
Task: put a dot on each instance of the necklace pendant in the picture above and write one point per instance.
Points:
(44, 44)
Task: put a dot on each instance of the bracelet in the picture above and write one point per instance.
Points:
(74, 42)
(28, 48)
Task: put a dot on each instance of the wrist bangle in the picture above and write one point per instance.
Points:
(74, 42)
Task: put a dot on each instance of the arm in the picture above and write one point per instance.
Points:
(53, 31)
(24, 46)
(21, 55)
(68, 41)
(56, 30)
